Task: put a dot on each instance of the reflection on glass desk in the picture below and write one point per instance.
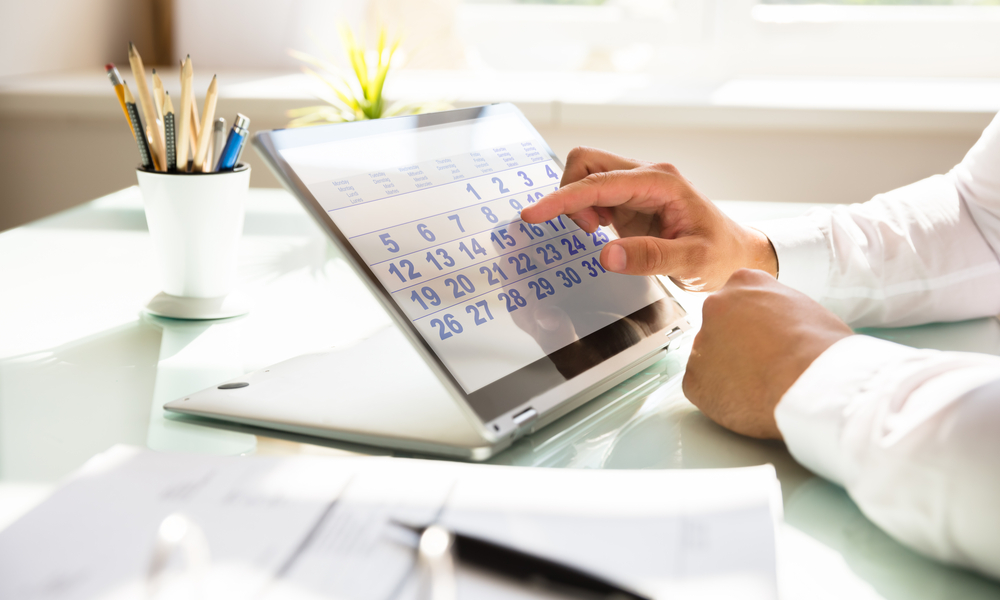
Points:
(82, 368)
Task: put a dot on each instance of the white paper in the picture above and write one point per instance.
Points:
(325, 527)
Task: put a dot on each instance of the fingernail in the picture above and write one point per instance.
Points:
(615, 260)
(583, 224)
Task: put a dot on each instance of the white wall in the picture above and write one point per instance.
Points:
(54, 35)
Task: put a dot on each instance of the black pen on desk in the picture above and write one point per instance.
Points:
(140, 133)
(517, 564)
(170, 132)
(234, 144)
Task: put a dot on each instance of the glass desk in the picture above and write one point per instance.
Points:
(83, 368)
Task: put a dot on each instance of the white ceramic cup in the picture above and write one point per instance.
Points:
(195, 221)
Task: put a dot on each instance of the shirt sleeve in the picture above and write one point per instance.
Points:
(912, 436)
(925, 252)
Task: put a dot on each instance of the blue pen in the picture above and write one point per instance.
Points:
(234, 144)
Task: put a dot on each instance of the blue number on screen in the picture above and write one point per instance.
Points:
(489, 274)
(469, 188)
(502, 238)
(569, 277)
(599, 237)
(516, 261)
(445, 258)
(553, 225)
(591, 264)
(539, 195)
(412, 273)
(513, 298)
(531, 199)
(430, 258)
(574, 247)
(475, 312)
(457, 222)
(426, 233)
(546, 250)
(532, 231)
(516, 205)
(450, 323)
(386, 240)
(448, 260)
(550, 172)
(428, 293)
(543, 289)
(524, 176)
(462, 281)
(492, 218)
(497, 181)
(476, 248)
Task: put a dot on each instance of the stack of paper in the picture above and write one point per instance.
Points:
(140, 524)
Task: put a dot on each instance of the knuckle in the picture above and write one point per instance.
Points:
(690, 385)
(597, 179)
(577, 153)
(715, 305)
(652, 256)
(744, 276)
(666, 168)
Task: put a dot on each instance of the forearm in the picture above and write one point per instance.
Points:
(913, 255)
(912, 435)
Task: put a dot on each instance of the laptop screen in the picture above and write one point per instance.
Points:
(433, 211)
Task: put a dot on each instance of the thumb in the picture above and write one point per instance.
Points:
(643, 255)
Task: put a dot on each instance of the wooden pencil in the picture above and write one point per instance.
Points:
(169, 137)
(116, 81)
(158, 96)
(184, 117)
(140, 134)
(207, 117)
(148, 111)
(195, 119)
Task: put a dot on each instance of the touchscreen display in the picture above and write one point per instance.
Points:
(434, 213)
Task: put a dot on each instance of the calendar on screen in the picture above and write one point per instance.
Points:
(441, 231)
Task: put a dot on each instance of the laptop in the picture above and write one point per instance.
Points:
(499, 326)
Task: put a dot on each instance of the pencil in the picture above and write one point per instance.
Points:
(169, 132)
(207, 166)
(148, 111)
(184, 126)
(158, 95)
(195, 119)
(116, 81)
(206, 121)
(140, 135)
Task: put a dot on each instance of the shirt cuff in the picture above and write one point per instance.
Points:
(812, 412)
(803, 253)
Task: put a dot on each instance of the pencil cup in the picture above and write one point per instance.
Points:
(195, 221)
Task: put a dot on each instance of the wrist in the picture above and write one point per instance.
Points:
(760, 253)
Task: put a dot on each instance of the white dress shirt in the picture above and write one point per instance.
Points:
(913, 435)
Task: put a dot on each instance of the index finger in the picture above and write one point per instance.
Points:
(643, 190)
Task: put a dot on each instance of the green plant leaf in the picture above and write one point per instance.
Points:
(349, 101)
(357, 98)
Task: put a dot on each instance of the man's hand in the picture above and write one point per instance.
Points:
(757, 337)
(666, 226)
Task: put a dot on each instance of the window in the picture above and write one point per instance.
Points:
(712, 40)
